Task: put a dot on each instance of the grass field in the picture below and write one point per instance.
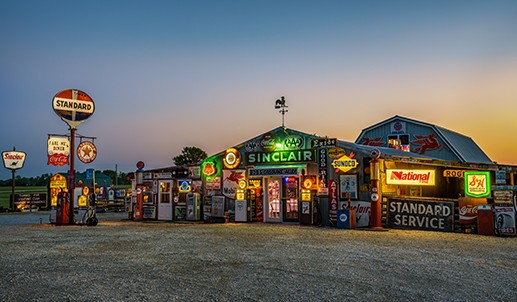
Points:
(5, 193)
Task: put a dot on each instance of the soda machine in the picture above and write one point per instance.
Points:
(193, 206)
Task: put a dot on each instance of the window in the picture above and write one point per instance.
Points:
(399, 142)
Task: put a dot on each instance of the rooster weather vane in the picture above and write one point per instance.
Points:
(280, 104)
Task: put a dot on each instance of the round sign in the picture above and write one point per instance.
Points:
(87, 152)
(375, 153)
(375, 197)
(73, 106)
(140, 165)
(232, 158)
(86, 190)
(343, 217)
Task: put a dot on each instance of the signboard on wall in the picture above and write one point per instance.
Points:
(362, 210)
(420, 177)
(477, 183)
(420, 215)
(468, 209)
(231, 179)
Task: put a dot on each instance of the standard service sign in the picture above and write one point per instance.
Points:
(13, 159)
(73, 106)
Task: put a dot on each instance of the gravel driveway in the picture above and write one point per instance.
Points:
(122, 260)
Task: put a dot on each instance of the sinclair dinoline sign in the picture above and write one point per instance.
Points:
(13, 160)
(73, 106)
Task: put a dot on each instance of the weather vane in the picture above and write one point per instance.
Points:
(280, 104)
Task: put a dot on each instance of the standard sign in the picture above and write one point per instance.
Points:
(73, 106)
(421, 215)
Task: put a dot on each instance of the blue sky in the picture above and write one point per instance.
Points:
(169, 74)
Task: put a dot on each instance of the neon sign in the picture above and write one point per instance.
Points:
(232, 158)
(477, 184)
(410, 177)
(184, 186)
(209, 169)
(345, 163)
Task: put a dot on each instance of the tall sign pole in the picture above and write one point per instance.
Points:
(74, 107)
(13, 160)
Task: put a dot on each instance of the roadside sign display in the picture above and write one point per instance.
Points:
(73, 106)
(58, 150)
(87, 152)
(13, 160)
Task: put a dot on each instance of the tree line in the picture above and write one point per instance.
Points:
(43, 179)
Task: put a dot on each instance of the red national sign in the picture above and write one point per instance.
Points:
(468, 209)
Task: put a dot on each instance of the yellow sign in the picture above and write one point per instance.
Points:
(336, 152)
(306, 195)
(453, 173)
(82, 201)
(345, 163)
(58, 181)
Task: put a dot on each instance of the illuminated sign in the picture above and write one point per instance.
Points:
(344, 163)
(293, 142)
(232, 158)
(410, 177)
(310, 182)
(58, 148)
(477, 184)
(184, 186)
(73, 106)
(87, 152)
(209, 168)
(254, 183)
(306, 196)
(293, 156)
(242, 184)
(13, 159)
(453, 173)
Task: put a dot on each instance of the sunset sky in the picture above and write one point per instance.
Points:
(169, 74)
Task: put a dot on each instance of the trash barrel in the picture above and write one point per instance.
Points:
(486, 220)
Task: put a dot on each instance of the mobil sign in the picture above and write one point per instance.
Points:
(73, 106)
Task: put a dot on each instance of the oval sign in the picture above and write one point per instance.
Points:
(73, 106)
(87, 152)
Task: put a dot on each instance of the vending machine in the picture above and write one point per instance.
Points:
(193, 206)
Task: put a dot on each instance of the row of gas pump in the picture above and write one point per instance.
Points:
(61, 201)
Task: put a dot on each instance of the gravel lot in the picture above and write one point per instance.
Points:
(121, 260)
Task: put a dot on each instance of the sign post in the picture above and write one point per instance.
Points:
(13, 160)
(74, 107)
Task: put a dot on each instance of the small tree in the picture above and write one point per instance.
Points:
(189, 156)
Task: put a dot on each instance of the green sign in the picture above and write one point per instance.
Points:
(281, 157)
(477, 184)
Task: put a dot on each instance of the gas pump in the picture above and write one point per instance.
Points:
(82, 204)
(193, 206)
(308, 207)
(63, 208)
(139, 190)
(57, 184)
(241, 204)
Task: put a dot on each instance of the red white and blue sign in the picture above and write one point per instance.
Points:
(73, 106)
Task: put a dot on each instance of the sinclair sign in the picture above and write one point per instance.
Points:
(13, 160)
(73, 106)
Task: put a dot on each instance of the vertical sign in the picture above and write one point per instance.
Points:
(322, 170)
(333, 201)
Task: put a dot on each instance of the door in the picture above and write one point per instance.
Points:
(272, 200)
(290, 200)
(165, 200)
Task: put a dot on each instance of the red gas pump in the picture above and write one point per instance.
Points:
(63, 208)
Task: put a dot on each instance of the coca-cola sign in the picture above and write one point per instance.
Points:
(58, 150)
(468, 209)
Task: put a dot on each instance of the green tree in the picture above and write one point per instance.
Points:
(189, 156)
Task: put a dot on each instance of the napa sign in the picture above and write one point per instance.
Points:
(286, 156)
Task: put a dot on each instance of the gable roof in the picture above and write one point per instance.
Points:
(462, 146)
